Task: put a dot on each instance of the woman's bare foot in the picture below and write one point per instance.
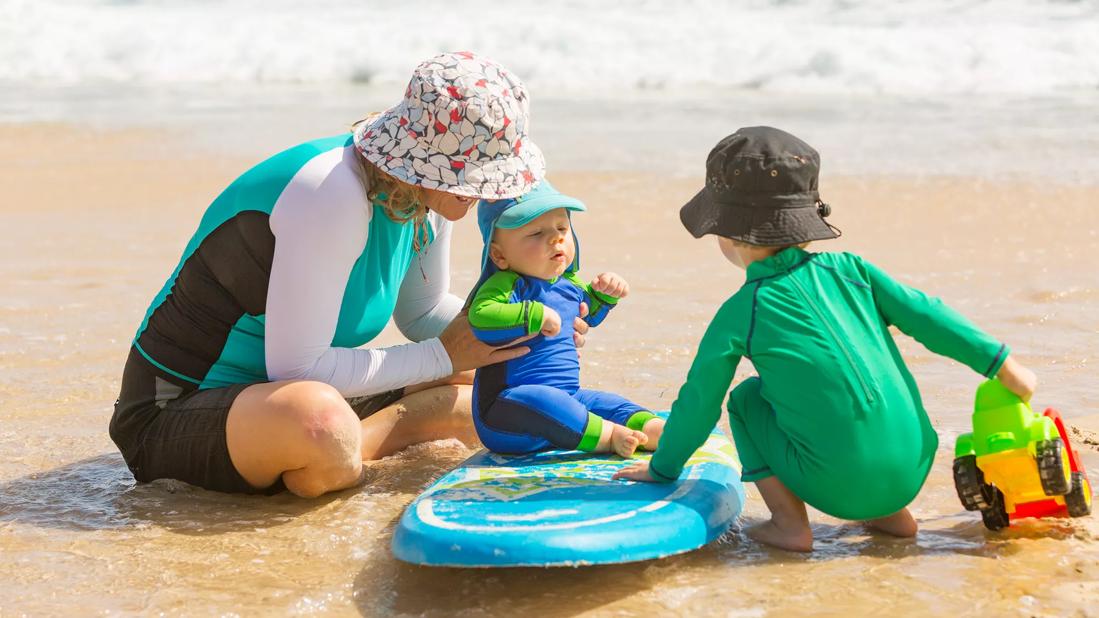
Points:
(793, 536)
(900, 524)
(653, 429)
(620, 439)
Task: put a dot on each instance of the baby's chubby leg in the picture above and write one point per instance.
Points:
(538, 416)
(653, 429)
(626, 424)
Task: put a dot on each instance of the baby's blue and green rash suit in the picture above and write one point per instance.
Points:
(835, 413)
(535, 401)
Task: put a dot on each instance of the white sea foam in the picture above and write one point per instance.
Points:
(1018, 47)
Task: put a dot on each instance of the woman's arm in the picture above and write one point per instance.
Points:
(320, 224)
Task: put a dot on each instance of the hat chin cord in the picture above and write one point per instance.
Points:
(824, 210)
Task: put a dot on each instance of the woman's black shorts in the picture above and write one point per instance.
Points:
(167, 428)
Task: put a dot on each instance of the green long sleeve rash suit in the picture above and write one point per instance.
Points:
(835, 414)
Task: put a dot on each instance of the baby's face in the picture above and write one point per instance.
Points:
(543, 248)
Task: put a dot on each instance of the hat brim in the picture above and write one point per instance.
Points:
(528, 210)
(766, 227)
(385, 143)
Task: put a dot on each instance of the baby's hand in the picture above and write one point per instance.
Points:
(611, 285)
(551, 322)
(635, 472)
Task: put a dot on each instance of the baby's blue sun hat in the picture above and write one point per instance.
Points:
(516, 212)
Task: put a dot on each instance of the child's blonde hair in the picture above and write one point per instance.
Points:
(748, 245)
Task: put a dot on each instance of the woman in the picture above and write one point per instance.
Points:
(244, 375)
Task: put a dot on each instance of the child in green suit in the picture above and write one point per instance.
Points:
(835, 418)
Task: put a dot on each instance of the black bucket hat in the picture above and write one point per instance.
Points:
(761, 188)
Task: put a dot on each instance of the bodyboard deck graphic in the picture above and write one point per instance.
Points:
(561, 508)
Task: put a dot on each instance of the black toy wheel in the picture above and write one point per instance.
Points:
(1053, 467)
(1078, 500)
(995, 516)
(970, 483)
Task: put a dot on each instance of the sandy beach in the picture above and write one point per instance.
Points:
(93, 220)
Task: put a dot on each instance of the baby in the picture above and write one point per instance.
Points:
(835, 418)
(529, 289)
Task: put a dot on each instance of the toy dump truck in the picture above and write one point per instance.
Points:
(1017, 463)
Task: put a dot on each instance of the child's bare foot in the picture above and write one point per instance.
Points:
(791, 536)
(900, 524)
(624, 441)
(789, 526)
(653, 429)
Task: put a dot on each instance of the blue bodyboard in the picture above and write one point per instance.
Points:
(561, 508)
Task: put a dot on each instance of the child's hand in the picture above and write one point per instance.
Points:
(551, 322)
(635, 472)
(1017, 379)
(611, 285)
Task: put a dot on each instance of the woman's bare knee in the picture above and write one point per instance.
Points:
(331, 439)
(325, 422)
(303, 431)
(316, 480)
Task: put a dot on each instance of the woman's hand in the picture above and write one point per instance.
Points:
(467, 352)
(1017, 378)
(580, 328)
(611, 284)
(638, 471)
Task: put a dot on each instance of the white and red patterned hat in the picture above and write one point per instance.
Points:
(461, 128)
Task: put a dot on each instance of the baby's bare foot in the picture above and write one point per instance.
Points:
(624, 441)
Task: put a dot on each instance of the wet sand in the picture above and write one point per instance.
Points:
(92, 223)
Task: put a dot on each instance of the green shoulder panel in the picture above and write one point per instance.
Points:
(493, 309)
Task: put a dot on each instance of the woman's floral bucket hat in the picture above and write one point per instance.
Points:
(462, 128)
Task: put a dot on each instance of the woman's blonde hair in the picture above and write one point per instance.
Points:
(401, 201)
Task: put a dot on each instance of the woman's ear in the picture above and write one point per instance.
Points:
(497, 256)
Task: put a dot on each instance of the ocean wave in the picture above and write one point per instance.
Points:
(1018, 47)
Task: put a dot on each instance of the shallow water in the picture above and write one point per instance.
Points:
(93, 222)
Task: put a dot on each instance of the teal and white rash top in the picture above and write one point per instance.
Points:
(291, 270)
